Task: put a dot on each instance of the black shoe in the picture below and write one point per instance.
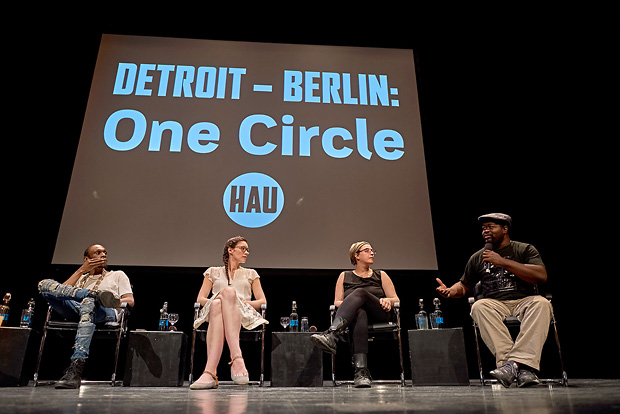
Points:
(506, 374)
(106, 299)
(72, 377)
(361, 378)
(328, 340)
(526, 378)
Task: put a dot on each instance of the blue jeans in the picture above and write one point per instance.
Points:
(75, 305)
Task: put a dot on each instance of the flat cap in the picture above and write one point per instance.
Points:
(496, 217)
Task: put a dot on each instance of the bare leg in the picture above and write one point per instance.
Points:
(232, 325)
(215, 340)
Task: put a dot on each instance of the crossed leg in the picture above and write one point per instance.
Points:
(224, 326)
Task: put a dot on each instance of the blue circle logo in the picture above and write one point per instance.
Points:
(253, 200)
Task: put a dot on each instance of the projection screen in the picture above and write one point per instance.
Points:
(301, 149)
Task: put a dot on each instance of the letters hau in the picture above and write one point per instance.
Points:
(253, 200)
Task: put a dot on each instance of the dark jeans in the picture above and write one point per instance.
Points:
(358, 309)
(75, 305)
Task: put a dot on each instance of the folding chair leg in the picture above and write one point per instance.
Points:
(116, 353)
(262, 358)
(191, 358)
(43, 337)
(564, 380)
(400, 345)
(478, 354)
(36, 370)
(402, 367)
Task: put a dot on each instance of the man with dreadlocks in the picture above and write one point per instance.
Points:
(229, 307)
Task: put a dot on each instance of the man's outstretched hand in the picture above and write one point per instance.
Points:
(442, 289)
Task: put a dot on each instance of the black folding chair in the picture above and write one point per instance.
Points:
(513, 323)
(117, 329)
(376, 331)
(254, 335)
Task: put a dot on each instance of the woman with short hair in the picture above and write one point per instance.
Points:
(362, 296)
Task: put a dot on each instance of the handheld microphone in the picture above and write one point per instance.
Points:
(487, 265)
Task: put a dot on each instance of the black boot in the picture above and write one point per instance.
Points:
(361, 378)
(328, 340)
(72, 377)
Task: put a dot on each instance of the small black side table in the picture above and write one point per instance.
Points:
(438, 357)
(155, 359)
(295, 361)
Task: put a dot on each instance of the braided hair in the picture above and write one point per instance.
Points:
(230, 244)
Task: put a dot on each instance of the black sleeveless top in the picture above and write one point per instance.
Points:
(371, 284)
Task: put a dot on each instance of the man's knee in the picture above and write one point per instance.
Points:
(87, 306)
(536, 305)
(46, 285)
(481, 306)
(540, 302)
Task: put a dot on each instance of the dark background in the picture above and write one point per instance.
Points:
(512, 107)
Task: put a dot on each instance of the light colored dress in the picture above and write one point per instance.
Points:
(242, 283)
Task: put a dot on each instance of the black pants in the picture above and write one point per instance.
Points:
(358, 309)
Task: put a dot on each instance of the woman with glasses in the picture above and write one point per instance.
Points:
(229, 307)
(363, 296)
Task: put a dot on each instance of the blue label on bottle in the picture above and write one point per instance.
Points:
(439, 320)
(293, 323)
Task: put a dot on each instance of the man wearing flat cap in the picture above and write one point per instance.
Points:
(508, 272)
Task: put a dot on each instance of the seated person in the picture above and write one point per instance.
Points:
(509, 273)
(363, 296)
(228, 309)
(91, 295)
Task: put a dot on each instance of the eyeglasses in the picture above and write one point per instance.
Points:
(243, 249)
(368, 250)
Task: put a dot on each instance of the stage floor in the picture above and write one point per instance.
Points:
(581, 396)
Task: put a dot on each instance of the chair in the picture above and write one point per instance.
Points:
(118, 329)
(513, 323)
(377, 331)
(254, 335)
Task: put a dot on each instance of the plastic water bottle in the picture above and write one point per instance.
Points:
(163, 317)
(436, 316)
(421, 318)
(294, 319)
(5, 310)
(26, 320)
(305, 325)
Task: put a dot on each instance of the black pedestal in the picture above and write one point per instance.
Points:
(16, 362)
(155, 359)
(438, 357)
(295, 361)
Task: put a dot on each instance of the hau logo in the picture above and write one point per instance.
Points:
(253, 200)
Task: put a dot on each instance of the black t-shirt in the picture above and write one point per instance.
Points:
(371, 284)
(497, 282)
